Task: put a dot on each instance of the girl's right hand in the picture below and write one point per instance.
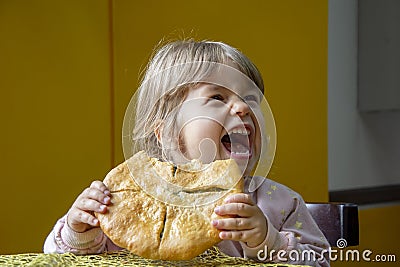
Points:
(95, 198)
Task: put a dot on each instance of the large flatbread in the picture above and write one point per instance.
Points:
(159, 211)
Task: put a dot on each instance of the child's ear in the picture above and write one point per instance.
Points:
(158, 131)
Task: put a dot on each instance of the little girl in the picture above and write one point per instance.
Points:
(201, 100)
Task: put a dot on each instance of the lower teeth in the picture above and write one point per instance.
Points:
(239, 149)
(241, 153)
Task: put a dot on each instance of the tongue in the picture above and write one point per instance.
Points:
(236, 143)
(239, 148)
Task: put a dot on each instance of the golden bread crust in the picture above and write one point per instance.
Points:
(153, 219)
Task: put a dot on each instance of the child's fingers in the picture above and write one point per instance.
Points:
(87, 204)
(239, 198)
(78, 217)
(234, 209)
(233, 224)
(95, 194)
(99, 185)
(93, 199)
(243, 236)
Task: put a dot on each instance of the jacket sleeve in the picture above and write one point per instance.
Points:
(63, 239)
(293, 236)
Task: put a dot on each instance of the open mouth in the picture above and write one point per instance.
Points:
(237, 143)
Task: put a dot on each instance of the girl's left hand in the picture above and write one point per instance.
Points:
(244, 221)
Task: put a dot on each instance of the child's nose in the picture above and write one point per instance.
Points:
(239, 107)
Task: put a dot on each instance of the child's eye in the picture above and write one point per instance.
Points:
(218, 97)
(251, 98)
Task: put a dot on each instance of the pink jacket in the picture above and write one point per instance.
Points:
(291, 230)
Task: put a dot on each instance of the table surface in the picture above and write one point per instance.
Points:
(212, 257)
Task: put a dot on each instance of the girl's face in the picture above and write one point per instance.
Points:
(217, 123)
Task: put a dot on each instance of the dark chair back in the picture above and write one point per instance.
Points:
(337, 221)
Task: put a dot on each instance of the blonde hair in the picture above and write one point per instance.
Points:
(166, 80)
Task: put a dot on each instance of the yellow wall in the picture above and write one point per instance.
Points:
(63, 100)
(55, 112)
